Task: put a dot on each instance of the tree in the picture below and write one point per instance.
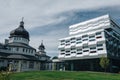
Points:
(104, 62)
(5, 75)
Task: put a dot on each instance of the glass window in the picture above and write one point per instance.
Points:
(98, 33)
(24, 64)
(26, 50)
(93, 48)
(15, 38)
(85, 47)
(23, 49)
(79, 53)
(79, 49)
(92, 51)
(31, 64)
(62, 40)
(17, 49)
(78, 39)
(92, 36)
(73, 52)
(84, 36)
(72, 38)
(62, 43)
(78, 42)
(72, 41)
(99, 45)
(85, 50)
(67, 51)
(67, 41)
(92, 40)
(72, 48)
(67, 44)
(31, 51)
(62, 53)
(85, 39)
(100, 48)
(99, 37)
(62, 50)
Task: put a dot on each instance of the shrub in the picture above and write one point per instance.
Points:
(5, 75)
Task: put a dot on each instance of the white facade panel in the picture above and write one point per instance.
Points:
(88, 39)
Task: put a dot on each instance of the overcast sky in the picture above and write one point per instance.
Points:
(49, 20)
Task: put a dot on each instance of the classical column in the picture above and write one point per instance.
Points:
(72, 66)
(27, 65)
(19, 66)
(54, 66)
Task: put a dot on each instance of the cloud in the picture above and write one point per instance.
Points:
(41, 12)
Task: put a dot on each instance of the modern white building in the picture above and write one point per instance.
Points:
(88, 41)
(17, 55)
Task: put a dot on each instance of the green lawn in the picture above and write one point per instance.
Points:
(61, 75)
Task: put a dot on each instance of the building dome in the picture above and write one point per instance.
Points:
(41, 47)
(20, 32)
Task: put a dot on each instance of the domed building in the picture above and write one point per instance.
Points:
(16, 54)
(45, 59)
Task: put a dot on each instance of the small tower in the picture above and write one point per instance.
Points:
(42, 48)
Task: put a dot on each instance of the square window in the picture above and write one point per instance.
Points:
(99, 45)
(98, 33)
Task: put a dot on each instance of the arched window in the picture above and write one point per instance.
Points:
(17, 49)
(23, 49)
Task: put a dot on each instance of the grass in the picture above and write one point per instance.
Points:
(64, 75)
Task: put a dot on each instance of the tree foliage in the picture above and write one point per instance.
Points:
(104, 62)
(5, 75)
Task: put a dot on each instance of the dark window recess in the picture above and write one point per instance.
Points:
(62, 50)
(17, 49)
(67, 41)
(23, 49)
(85, 39)
(32, 51)
(67, 51)
(62, 40)
(93, 48)
(73, 52)
(79, 53)
(92, 40)
(85, 46)
(109, 29)
(99, 37)
(84, 36)
(79, 49)
(73, 42)
(85, 50)
(92, 51)
(62, 53)
(72, 48)
(100, 48)
(31, 64)
(78, 39)
(91, 36)
(62, 43)
(79, 42)
(98, 33)
(72, 38)
(99, 45)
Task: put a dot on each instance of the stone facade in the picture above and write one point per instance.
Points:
(17, 55)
